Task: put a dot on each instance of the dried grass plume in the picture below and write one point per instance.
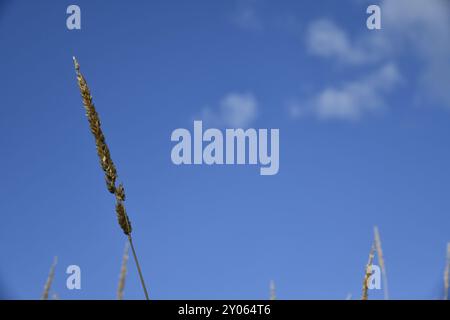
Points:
(123, 273)
(273, 295)
(107, 164)
(368, 273)
(446, 272)
(48, 283)
(379, 250)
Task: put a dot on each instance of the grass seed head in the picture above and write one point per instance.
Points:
(368, 273)
(48, 283)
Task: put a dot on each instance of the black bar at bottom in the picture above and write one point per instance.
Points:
(221, 309)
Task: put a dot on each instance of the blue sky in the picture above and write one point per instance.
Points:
(364, 119)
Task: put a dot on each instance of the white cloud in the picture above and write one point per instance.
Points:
(326, 39)
(235, 110)
(351, 100)
(412, 29)
(423, 29)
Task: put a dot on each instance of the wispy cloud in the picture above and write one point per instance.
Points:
(235, 110)
(351, 100)
(326, 39)
(410, 29)
(423, 30)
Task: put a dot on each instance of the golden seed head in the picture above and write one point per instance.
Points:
(95, 125)
(103, 153)
(122, 218)
(106, 163)
(120, 192)
(368, 273)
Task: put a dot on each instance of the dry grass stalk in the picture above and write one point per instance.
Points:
(48, 283)
(273, 295)
(107, 165)
(446, 272)
(123, 273)
(381, 260)
(368, 273)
